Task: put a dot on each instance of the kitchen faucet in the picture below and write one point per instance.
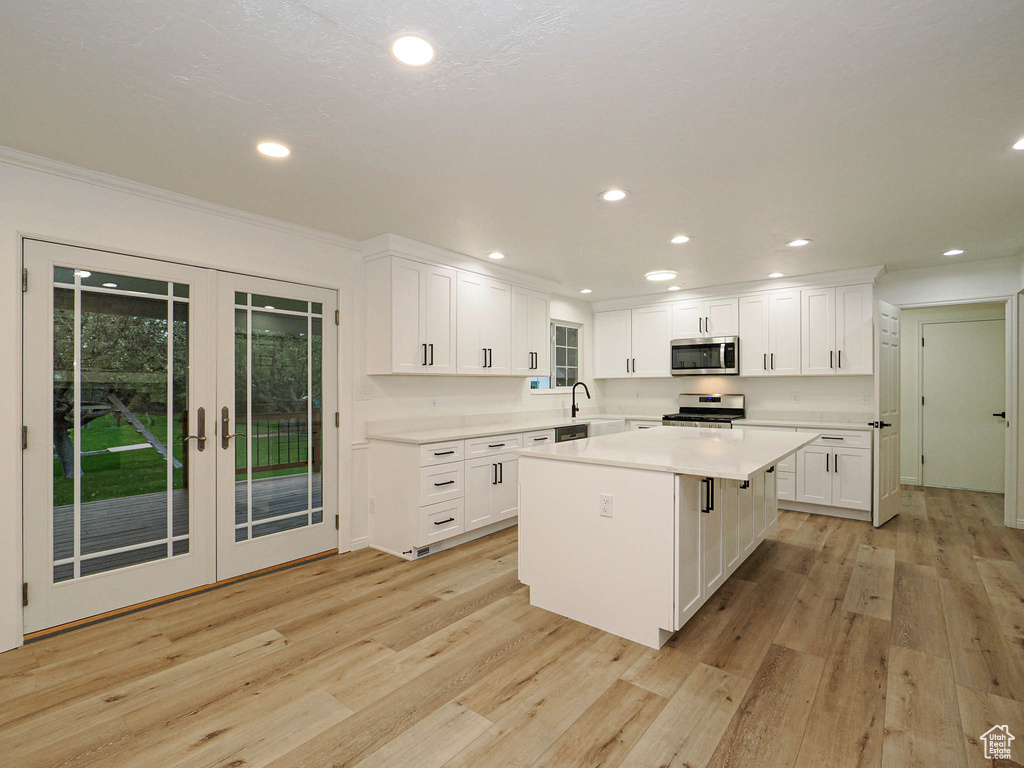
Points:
(576, 408)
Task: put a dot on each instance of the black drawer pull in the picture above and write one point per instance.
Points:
(442, 522)
(497, 445)
(446, 482)
(540, 438)
(443, 453)
(826, 437)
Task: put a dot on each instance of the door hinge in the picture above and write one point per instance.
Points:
(922, 399)
(922, 341)
(24, 438)
(337, 317)
(24, 279)
(24, 594)
(922, 459)
(337, 419)
(337, 522)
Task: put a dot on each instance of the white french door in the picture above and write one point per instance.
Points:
(128, 493)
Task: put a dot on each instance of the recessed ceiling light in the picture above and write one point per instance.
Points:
(497, 255)
(585, 290)
(953, 252)
(413, 51)
(798, 243)
(1019, 146)
(110, 285)
(659, 275)
(273, 149)
(776, 274)
(614, 195)
(83, 273)
(680, 239)
(674, 288)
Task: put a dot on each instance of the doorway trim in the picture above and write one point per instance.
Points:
(1012, 388)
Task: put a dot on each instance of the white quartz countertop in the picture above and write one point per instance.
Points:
(470, 431)
(733, 454)
(804, 424)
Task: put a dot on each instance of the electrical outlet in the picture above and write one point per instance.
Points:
(606, 505)
(433, 403)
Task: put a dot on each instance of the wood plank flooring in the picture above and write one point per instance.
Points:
(834, 645)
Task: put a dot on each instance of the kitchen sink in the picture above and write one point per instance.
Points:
(606, 426)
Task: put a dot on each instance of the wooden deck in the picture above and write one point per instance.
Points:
(835, 645)
(115, 523)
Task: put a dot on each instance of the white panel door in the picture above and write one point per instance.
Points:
(613, 344)
(540, 333)
(408, 316)
(652, 342)
(784, 335)
(887, 414)
(759, 517)
(277, 445)
(851, 478)
(814, 475)
(439, 319)
(818, 331)
(531, 334)
(730, 532)
(967, 401)
(745, 520)
(771, 498)
(712, 541)
(471, 299)
(505, 493)
(481, 476)
(854, 330)
(754, 329)
(687, 319)
(497, 334)
(722, 317)
(116, 359)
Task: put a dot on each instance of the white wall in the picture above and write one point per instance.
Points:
(950, 283)
(910, 373)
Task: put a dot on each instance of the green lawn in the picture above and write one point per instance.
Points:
(130, 473)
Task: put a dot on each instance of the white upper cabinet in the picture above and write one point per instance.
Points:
(613, 344)
(410, 317)
(531, 333)
(483, 325)
(837, 331)
(651, 355)
(711, 317)
(770, 334)
(754, 336)
(855, 317)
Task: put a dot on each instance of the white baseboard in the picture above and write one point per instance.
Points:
(361, 543)
(910, 481)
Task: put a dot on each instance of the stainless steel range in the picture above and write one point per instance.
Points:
(713, 411)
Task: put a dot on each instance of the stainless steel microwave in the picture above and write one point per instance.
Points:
(707, 356)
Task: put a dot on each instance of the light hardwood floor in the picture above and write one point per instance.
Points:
(835, 644)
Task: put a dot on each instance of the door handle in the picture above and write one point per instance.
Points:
(1001, 415)
(634, 365)
(200, 436)
(830, 354)
(431, 353)
(501, 473)
(627, 365)
(840, 356)
(766, 361)
(225, 429)
(485, 358)
(700, 325)
(707, 325)
(835, 465)
(424, 353)
(827, 455)
(773, 360)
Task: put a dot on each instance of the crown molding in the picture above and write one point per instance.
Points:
(32, 162)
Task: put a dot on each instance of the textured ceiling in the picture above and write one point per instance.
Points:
(882, 130)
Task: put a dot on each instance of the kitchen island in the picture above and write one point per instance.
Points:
(633, 532)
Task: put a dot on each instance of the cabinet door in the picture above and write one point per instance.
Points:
(408, 316)
(540, 333)
(687, 319)
(754, 335)
(522, 343)
(722, 317)
(481, 476)
(818, 331)
(784, 333)
(712, 544)
(854, 330)
(745, 520)
(785, 485)
(730, 533)
(505, 493)
(613, 344)
(814, 475)
(771, 499)
(469, 307)
(652, 342)
(497, 334)
(759, 515)
(439, 322)
(687, 592)
(851, 478)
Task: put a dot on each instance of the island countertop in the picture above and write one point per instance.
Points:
(732, 454)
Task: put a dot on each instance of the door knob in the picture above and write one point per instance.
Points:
(1001, 414)
(225, 429)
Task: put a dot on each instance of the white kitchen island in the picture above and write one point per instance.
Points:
(633, 532)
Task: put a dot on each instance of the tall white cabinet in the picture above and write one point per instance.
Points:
(531, 333)
(632, 343)
(836, 331)
(483, 328)
(770, 334)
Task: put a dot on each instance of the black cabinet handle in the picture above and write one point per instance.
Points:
(501, 473)
(538, 439)
(485, 358)
(627, 365)
(773, 360)
(706, 507)
(442, 522)
(494, 480)
(766, 361)
(830, 354)
(634, 365)
(827, 456)
(826, 437)
(496, 445)
(840, 358)
(835, 465)
(770, 470)
(446, 482)
(424, 353)
(707, 325)
(700, 326)
(443, 453)
(431, 353)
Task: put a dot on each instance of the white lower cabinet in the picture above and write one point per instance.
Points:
(851, 481)
(712, 530)
(492, 490)
(836, 475)
(441, 521)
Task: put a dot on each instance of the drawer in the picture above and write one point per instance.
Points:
(491, 446)
(540, 437)
(442, 453)
(841, 438)
(634, 425)
(785, 484)
(441, 521)
(443, 482)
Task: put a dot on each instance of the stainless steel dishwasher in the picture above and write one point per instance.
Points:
(572, 432)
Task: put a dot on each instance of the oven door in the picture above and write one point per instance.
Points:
(708, 356)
